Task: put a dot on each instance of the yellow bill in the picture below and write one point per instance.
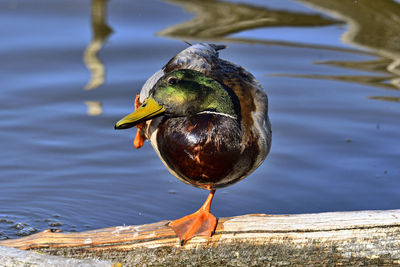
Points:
(148, 110)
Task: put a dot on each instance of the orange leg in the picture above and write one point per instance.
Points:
(202, 222)
(139, 138)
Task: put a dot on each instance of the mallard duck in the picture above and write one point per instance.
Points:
(207, 119)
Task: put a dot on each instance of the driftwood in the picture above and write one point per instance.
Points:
(366, 236)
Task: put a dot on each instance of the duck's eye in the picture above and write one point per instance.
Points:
(172, 80)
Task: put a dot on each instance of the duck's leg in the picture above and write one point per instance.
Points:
(202, 222)
(139, 139)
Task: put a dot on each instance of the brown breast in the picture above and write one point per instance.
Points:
(202, 150)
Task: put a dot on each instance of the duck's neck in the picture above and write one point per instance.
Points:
(220, 99)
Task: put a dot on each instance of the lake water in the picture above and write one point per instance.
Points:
(70, 69)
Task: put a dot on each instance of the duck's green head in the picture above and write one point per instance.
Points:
(184, 93)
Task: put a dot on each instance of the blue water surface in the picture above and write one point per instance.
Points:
(334, 147)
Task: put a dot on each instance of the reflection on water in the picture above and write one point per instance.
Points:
(94, 108)
(386, 98)
(372, 24)
(215, 19)
(100, 31)
(378, 81)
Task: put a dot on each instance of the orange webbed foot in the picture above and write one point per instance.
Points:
(200, 223)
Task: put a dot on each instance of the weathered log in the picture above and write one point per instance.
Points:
(366, 236)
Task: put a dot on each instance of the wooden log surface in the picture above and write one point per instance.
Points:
(361, 234)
